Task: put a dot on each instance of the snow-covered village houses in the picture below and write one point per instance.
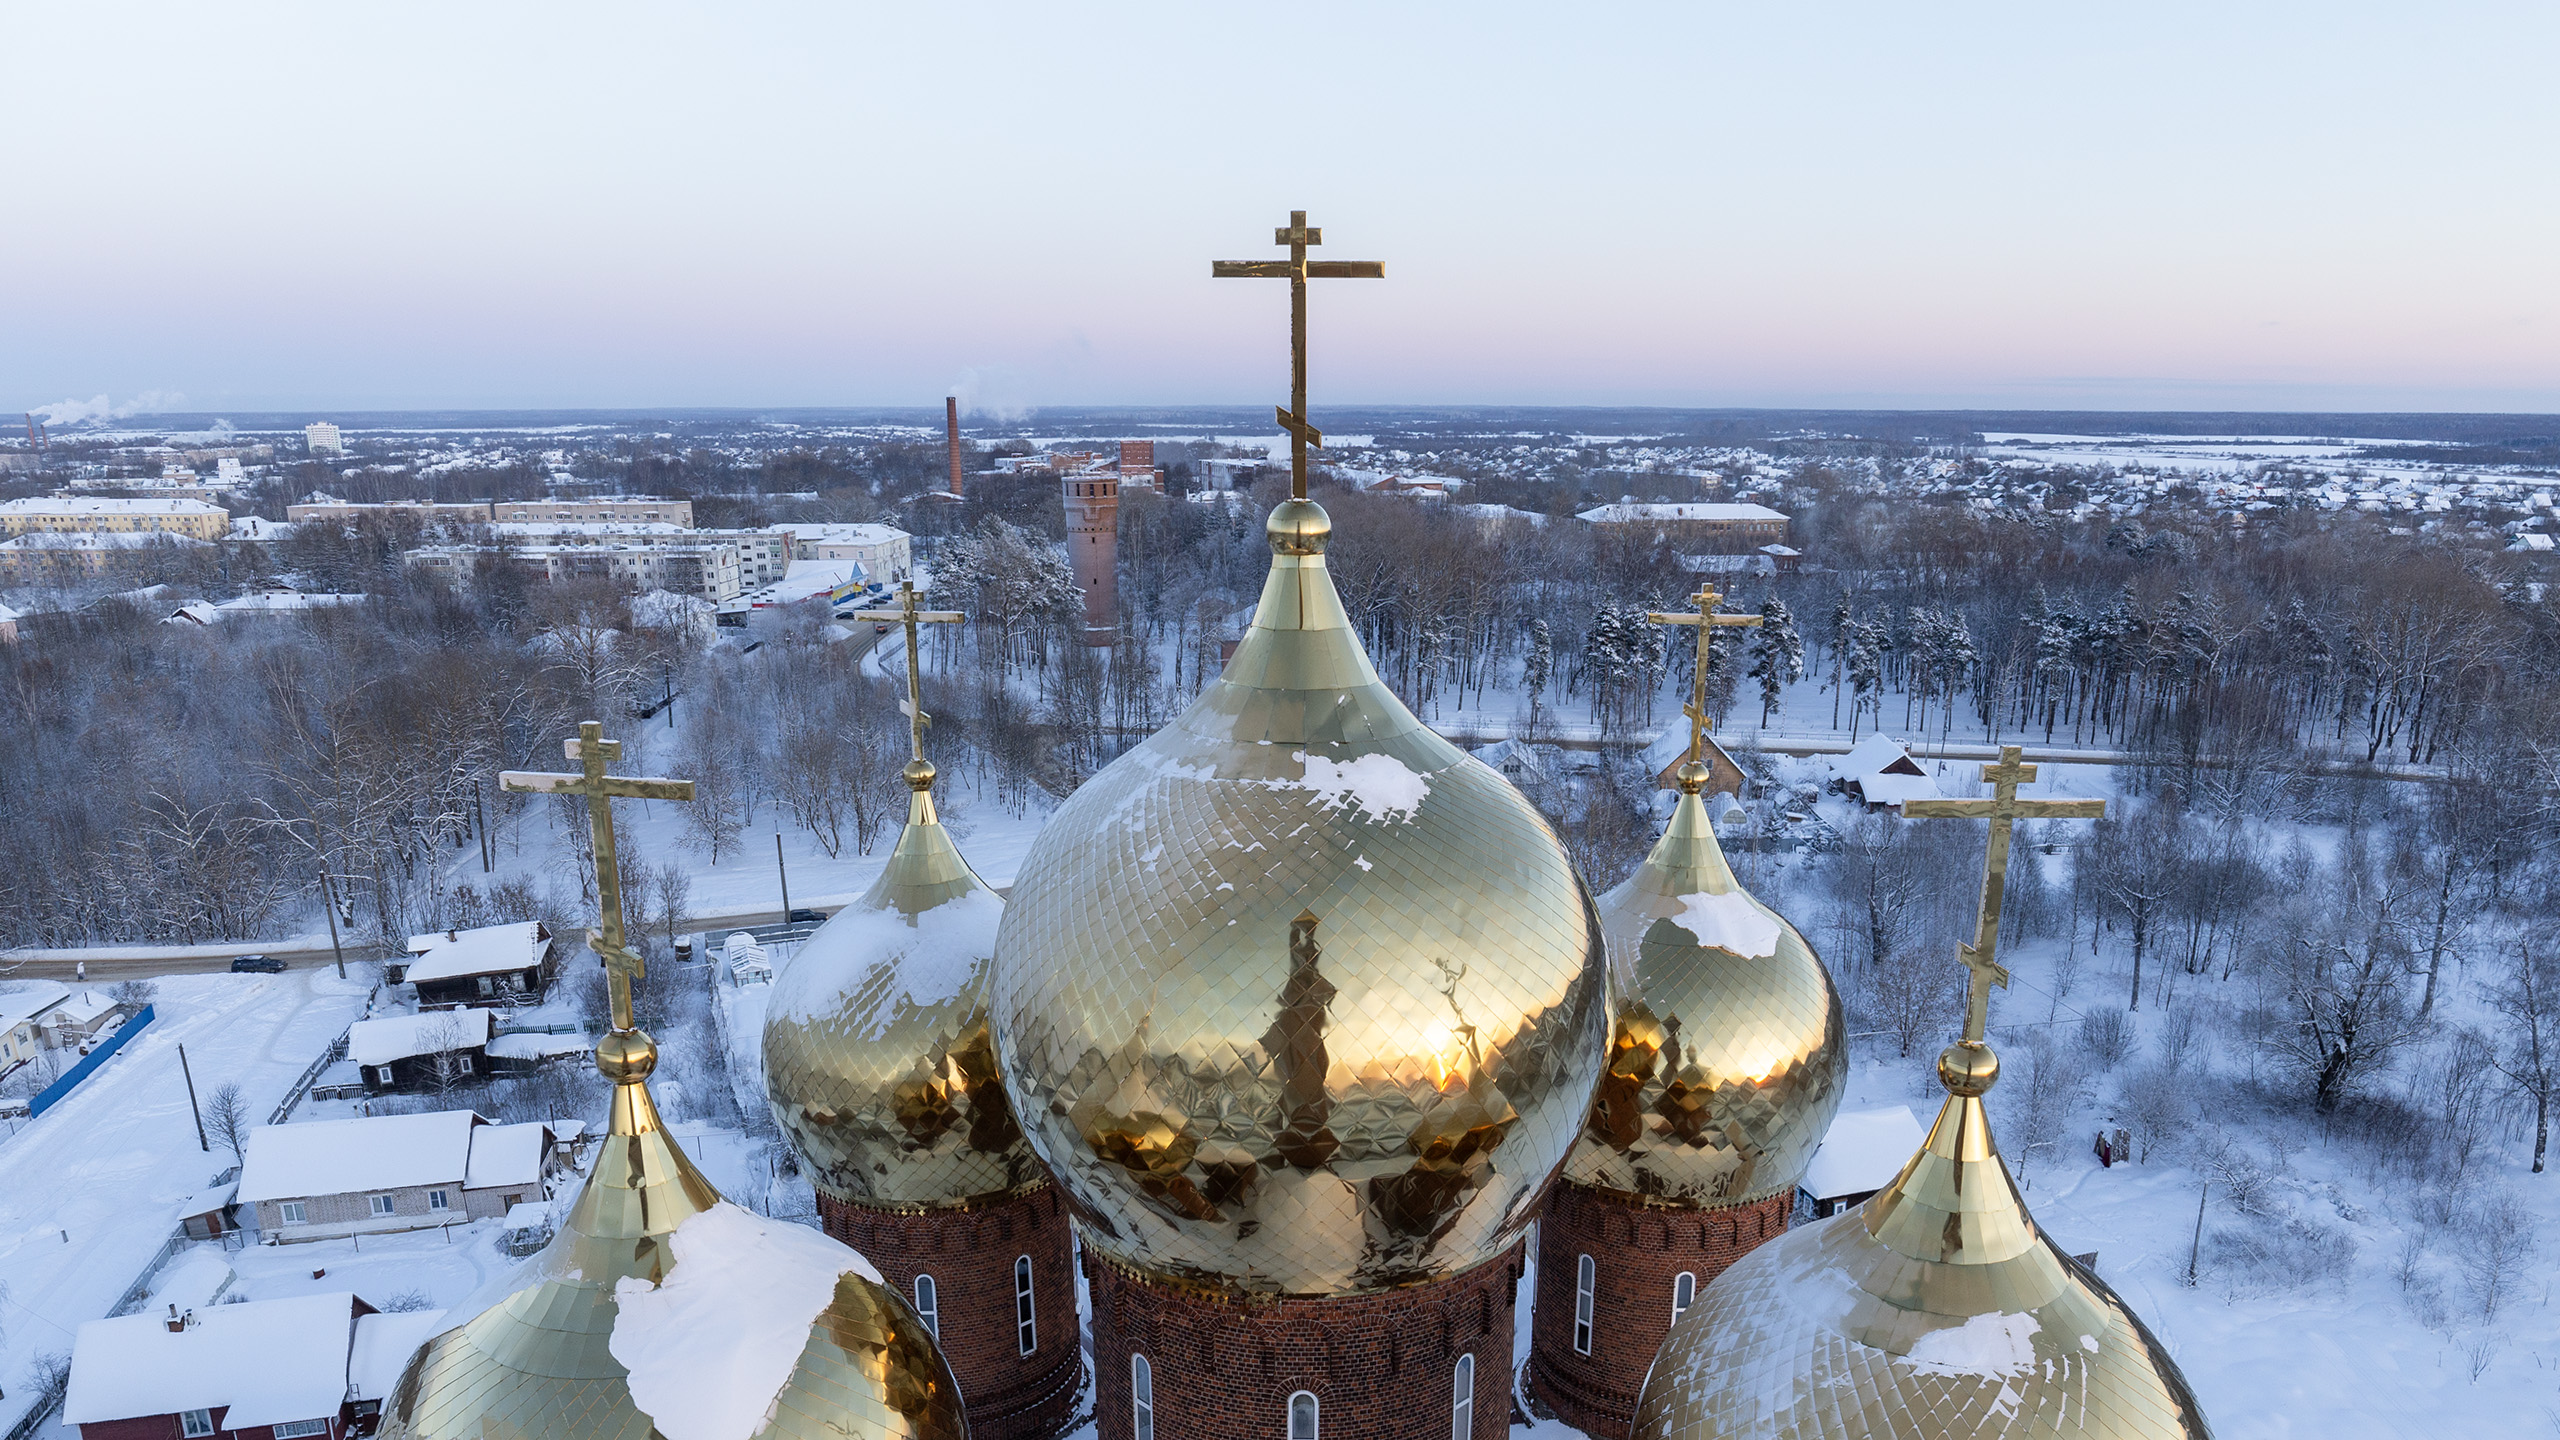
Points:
(51, 1017)
(434, 1050)
(1880, 773)
(489, 965)
(314, 1366)
(327, 1179)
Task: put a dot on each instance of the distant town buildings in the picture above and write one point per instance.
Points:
(883, 551)
(97, 514)
(709, 570)
(73, 558)
(465, 512)
(1723, 525)
(638, 509)
(321, 438)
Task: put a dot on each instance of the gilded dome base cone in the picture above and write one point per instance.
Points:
(1296, 998)
(878, 1062)
(533, 1352)
(1729, 1051)
(1936, 1310)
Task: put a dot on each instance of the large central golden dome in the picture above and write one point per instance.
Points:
(1297, 998)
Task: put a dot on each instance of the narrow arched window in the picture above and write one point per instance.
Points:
(1462, 1400)
(1026, 1324)
(1585, 1279)
(929, 1306)
(1684, 1292)
(1302, 1416)
(1142, 1397)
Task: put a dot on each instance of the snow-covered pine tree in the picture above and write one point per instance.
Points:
(1777, 655)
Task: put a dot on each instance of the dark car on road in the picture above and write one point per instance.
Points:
(257, 965)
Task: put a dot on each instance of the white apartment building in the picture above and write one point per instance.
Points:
(632, 509)
(321, 438)
(97, 514)
(883, 550)
(707, 570)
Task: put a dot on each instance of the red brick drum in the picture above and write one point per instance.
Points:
(1638, 1252)
(971, 1253)
(1379, 1367)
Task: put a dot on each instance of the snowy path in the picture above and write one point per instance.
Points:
(90, 1189)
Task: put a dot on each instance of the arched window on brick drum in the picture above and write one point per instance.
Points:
(1586, 1278)
(1302, 1416)
(1026, 1320)
(1142, 1398)
(1462, 1399)
(1684, 1292)
(929, 1305)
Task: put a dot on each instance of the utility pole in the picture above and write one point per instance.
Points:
(2197, 1246)
(329, 903)
(480, 815)
(201, 1143)
(784, 874)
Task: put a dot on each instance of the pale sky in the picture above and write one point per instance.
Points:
(2207, 206)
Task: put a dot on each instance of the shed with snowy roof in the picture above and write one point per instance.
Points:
(1880, 773)
(435, 1050)
(1860, 1154)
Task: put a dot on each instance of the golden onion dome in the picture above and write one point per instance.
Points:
(1297, 998)
(1729, 1054)
(1935, 1311)
(660, 1310)
(876, 1056)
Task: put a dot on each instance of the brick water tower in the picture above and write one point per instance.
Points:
(1092, 495)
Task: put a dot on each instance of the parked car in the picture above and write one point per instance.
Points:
(879, 629)
(803, 917)
(257, 965)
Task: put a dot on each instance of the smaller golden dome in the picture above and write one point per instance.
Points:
(660, 1309)
(1935, 1311)
(877, 1059)
(1728, 1055)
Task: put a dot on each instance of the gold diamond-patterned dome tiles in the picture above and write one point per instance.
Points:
(534, 1357)
(1726, 1063)
(1936, 1311)
(1296, 998)
(877, 1057)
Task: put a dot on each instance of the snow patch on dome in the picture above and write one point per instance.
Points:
(711, 1348)
(881, 964)
(1729, 922)
(1986, 1347)
(1379, 785)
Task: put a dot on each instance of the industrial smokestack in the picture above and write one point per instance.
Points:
(951, 428)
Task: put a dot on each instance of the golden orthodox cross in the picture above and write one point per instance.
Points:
(593, 752)
(2003, 809)
(1298, 270)
(911, 617)
(1707, 622)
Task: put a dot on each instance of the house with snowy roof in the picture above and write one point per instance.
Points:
(1880, 773)
(1859, 1155)
(314, 1366)
(22, 1015)
(485, 965)
(1670, 750)
(430, 1050)
(328, 1179)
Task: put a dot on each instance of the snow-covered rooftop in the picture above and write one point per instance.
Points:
(382, 1348)
(20, 1006)
(1691, 510)
(270, 1361)
(507, 1155)
(1862, 1151)
(397, 1037)
(334, 1157)
(488, 950)
(842, 534)
(98, 505)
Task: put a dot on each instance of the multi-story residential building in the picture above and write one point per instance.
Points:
(470, 512)
(321, 438)
(764, 556)
(883, 550)
(172, 516)
(1724, 524)
(708, 570)
(638, 509)
(69, 559)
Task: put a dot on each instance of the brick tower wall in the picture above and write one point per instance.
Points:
(969, 1252)
(1093, 548)
(1382, 1367)
(1637, 1252)
(951, 437)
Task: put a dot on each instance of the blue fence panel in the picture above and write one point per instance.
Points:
(91, 1061)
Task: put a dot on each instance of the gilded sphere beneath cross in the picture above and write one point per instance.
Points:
(1968, 1068)
(626, 1057)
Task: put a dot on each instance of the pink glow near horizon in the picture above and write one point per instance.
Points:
(2293, 208)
